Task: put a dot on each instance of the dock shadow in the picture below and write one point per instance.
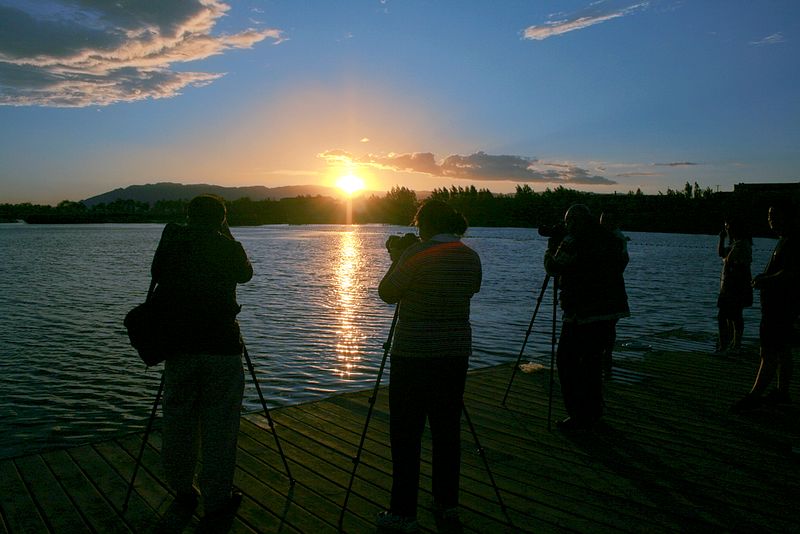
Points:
(659, 483)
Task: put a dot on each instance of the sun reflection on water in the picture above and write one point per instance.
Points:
(348, 289)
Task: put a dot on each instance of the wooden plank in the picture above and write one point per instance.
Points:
(58, 511)
(88, 501)
(18, 509)
(105, 476)
(668, 458)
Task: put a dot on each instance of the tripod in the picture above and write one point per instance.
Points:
(527, 335)
(552, 344)
(356, 459)
(153, 411)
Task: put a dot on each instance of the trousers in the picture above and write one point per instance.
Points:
(579, 361)
(420, 389)
(202, 406)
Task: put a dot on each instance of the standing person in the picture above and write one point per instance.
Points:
(735, 289)
(197, 267)
(587, 262)
(780, 296)
(609, 221)
(432, 281)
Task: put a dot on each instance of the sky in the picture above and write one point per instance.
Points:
(603, 96)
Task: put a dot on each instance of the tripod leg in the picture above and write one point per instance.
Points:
(372, 399)
(552, 354)
(527, 335)
(147, 431)
(266, 413)
(482, 454)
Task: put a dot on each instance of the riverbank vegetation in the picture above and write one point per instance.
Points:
(691, 210)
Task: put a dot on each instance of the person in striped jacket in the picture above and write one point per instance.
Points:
(432, 282)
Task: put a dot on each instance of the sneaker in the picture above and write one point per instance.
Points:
(445, 512)
(747, 403)
(186, 501)
(220, 518)
(447, 519)
(572, 425)
(777, 397)
(399, 523)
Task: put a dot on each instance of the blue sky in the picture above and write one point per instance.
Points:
(599, 96)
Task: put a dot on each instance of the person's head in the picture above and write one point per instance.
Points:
(736, 228)
(780, 217)
(577, 219)
(609, 220)
(207, 212)
(436, 217)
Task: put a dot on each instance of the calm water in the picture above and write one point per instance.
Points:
(311, 317)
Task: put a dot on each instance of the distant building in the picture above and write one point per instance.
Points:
(790, 188)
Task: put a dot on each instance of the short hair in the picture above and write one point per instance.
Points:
(206, 210)
(579, 212)
(438, 217)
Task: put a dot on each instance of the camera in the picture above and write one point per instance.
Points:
(556, 232)
(396, 244)
(553, 230)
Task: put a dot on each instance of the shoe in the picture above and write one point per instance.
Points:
(186, 501)
(570, 424)
(220, 518)
(445, 512)
(777, 397)
(747, 403)
(399, 523)
(447, 519)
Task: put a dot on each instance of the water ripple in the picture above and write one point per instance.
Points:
(311, 318)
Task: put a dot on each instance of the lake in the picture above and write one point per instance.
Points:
(311, 317)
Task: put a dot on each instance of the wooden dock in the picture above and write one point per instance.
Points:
(668, 458)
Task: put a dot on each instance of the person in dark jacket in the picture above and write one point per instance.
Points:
(197, 267)
(588, 263)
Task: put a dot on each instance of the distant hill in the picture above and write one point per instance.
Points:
(152, 193)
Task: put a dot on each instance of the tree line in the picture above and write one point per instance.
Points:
(691, 210)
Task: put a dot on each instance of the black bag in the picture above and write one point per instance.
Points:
(146, 330)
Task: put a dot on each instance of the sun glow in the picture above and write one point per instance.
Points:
(350, 184)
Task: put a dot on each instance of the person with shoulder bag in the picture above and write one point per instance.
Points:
(197, 267)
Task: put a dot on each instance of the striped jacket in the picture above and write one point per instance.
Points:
(433, 282)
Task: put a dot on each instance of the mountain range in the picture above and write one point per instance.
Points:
(152, 193)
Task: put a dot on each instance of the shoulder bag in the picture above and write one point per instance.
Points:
(146, 330)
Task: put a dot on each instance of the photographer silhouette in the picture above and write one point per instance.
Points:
(588, 261)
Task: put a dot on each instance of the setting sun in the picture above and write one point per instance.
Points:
(350, 184)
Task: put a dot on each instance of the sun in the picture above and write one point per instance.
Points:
(350, 184)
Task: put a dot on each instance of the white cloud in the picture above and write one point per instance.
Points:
(775, 38)
(478, 166)
(596, 13)
(77, 53)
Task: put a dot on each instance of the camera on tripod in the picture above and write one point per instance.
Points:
(396, 244)
(556, 232)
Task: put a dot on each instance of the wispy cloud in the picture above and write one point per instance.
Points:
(67, 53)
(635, 174)
(676, 164)
(479, 166)
(597, 12)
(775, 38)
